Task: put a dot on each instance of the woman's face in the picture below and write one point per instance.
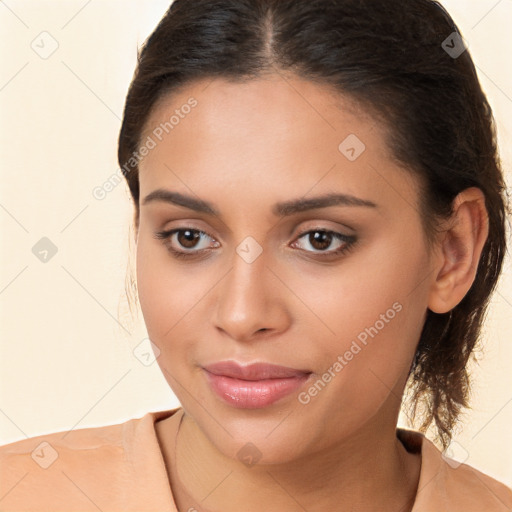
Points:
(259, 283)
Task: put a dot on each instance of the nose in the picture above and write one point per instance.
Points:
(252, 301)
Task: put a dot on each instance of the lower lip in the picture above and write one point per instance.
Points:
(253, 394)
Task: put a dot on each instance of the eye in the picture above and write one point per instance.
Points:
(186, 238)
(321, 239)
(185, 242)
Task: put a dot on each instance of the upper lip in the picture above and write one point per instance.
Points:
(254, 371)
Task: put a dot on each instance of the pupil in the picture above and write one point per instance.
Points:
(190, 237)
(321, 237)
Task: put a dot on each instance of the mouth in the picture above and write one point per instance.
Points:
(253, 386)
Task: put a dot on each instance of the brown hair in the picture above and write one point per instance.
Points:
(392, 58)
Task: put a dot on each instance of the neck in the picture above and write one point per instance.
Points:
(370, 470)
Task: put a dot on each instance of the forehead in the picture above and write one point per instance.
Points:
(280, 135)
(283, 105)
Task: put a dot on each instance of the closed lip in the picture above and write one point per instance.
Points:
(254, 371)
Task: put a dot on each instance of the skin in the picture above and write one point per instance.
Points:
(244, 148)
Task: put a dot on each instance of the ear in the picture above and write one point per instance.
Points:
(460, 250)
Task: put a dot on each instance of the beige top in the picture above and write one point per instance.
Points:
(121, 468)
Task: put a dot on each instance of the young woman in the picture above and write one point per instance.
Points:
(320, 223)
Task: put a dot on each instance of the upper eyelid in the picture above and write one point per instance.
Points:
(314, 224)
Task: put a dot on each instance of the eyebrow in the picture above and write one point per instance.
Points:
(282, 209)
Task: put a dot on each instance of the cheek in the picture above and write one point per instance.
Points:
(160, 290)
(167, 297)
(149, 286)
(374, 309)
(169, 293)
(365, 365)
(350, 297)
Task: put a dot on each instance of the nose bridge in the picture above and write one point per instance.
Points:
(244, 287)
(248, 299)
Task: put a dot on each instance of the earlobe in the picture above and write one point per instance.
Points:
(460, 250)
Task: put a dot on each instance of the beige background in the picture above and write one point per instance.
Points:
(66, 356)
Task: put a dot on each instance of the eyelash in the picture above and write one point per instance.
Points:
(343, 250)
